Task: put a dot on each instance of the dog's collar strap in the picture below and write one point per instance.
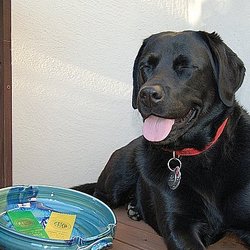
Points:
(193, 151)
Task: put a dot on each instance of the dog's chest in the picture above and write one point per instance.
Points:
(200, 173)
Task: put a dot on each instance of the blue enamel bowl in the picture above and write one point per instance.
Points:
(94, 227)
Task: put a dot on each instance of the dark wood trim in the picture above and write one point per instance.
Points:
(5, 95)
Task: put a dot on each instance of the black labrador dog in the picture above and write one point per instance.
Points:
(188, 176)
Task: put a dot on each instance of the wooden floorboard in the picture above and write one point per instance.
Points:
(122, 246)
(139, 239)
(123, 218)
(136, 235)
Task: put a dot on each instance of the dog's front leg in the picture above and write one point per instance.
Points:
(118, 179)
(184, 236)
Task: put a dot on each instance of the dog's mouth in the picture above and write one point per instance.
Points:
(156, 129)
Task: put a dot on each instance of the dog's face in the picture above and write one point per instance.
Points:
(182, 82)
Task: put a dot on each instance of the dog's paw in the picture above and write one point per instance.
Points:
(133, 213)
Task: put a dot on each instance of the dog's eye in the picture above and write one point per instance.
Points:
(181, 69)
(148, 65)
(182, 66)
(145, 71)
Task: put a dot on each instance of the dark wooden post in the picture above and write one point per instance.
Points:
(5, 95)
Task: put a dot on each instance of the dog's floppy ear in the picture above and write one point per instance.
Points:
(137, 75)
(229, 69)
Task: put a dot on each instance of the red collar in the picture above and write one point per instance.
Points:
(193, 151)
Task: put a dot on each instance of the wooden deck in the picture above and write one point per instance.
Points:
(134, 235)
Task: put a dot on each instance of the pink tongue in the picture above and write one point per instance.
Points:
(157, 128)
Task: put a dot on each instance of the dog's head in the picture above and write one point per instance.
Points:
(182, 82)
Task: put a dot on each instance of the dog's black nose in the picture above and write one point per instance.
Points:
(150, 95)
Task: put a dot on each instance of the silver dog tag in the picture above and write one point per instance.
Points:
(174, 178)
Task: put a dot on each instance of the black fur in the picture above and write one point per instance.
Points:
(188, 71)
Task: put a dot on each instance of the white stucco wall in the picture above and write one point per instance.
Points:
(72, 76)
